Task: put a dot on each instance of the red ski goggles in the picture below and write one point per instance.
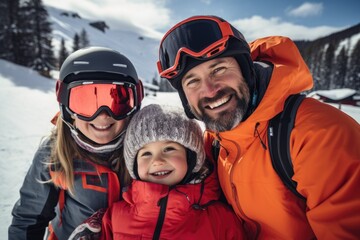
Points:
(86, 99)
(199, 37)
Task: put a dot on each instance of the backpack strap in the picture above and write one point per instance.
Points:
(279, 131)
(215, 150)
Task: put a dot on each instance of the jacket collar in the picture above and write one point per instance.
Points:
(144, 196)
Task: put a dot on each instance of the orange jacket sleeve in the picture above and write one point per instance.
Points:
(326, 158)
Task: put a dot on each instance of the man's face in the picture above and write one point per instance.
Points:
(217, 93)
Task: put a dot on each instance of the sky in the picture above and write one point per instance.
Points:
(297, 19)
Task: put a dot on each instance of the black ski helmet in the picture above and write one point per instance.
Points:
(96, 63)
(237, 47)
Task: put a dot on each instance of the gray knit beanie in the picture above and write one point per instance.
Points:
(162, 123)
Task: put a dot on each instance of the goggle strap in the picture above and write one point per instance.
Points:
(139, 92)
(71, 127)
(226, 29)
(61, 93)
(219, 46)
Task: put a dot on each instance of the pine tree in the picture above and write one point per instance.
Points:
(354, 68)
(76, 42)
(63, 53)
(23, 39)
(43, 58)
(327, 69)
(340, 68)
(10, 31)
(4, 30)
(319, 70)
(83, 39)
(316, 69)
(155, 80)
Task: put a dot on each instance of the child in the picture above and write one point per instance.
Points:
(80, 168)
(175, 192)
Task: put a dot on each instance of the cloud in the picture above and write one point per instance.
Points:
(257, 27)
(150, 14)
(151, 17)
(207, 2)
(306, 9)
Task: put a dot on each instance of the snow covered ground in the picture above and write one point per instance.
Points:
(27, 104)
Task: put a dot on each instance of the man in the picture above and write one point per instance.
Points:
(235, 89)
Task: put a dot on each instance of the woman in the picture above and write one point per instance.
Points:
(80, 168)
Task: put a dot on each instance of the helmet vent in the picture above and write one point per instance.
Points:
(119, 65)
(81, 62)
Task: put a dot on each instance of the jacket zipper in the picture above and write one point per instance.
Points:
(159, 224)
(249, 223)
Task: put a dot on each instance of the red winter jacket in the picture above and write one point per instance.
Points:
(192, 212)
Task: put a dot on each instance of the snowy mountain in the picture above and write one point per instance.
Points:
(334, 60)
(137, 44)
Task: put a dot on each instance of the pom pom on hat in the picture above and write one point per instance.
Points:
(162, 123)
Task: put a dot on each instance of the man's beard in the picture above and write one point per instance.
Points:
(225, 120)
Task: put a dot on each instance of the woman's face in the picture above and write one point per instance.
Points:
(103, 129)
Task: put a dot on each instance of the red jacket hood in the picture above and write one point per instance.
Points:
(146, 195)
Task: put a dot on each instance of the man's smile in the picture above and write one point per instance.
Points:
(218, 103)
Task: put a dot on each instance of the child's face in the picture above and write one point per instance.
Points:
(103, 129)
(162, 162)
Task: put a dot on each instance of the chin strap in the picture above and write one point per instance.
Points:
(85, 143)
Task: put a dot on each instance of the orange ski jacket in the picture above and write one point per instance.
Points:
(325, 150)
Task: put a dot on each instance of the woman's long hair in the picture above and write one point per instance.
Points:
(65, 149)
